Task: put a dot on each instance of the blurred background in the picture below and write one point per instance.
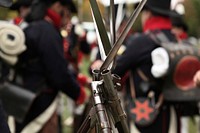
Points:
(192, 14)
(191, 17)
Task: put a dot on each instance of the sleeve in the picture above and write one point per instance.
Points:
(129, 59)
(56, 66)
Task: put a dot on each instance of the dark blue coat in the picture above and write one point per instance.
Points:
(43, 67)
(138, 55)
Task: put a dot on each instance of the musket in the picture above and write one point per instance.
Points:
(118, 43)
(106, 100)
(113, 100)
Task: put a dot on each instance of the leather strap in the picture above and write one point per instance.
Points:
(145, 78)
(132, 85)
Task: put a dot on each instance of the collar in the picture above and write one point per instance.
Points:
(183, 36)
(54, 18)
(18, 20)
(157, 23)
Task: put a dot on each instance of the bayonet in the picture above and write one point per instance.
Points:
(111, 55)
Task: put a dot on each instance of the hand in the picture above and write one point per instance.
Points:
(84, 80)
(96, 64)
(196, 78)
(82, 96)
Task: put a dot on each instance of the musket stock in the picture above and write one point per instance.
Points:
(114, 102)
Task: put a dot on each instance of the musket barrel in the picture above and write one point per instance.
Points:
(114, 102)
(96, 75)
(118, 43)
(104, 122)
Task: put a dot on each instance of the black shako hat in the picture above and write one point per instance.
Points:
(178, 21)
(161, 7)
(19, 3)
(69, 3)
(5, 3)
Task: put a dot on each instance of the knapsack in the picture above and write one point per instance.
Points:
(176, 63)
(15, 99)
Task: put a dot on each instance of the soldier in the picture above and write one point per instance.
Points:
(4, 126)
(136, 59)
(43, 68)
(23, 9)
(179, 28)
(187, 110)
(74, 46)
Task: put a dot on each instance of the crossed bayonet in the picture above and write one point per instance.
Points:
(107, 111)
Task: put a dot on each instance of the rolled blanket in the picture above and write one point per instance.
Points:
(12, 42)
(160, 60)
